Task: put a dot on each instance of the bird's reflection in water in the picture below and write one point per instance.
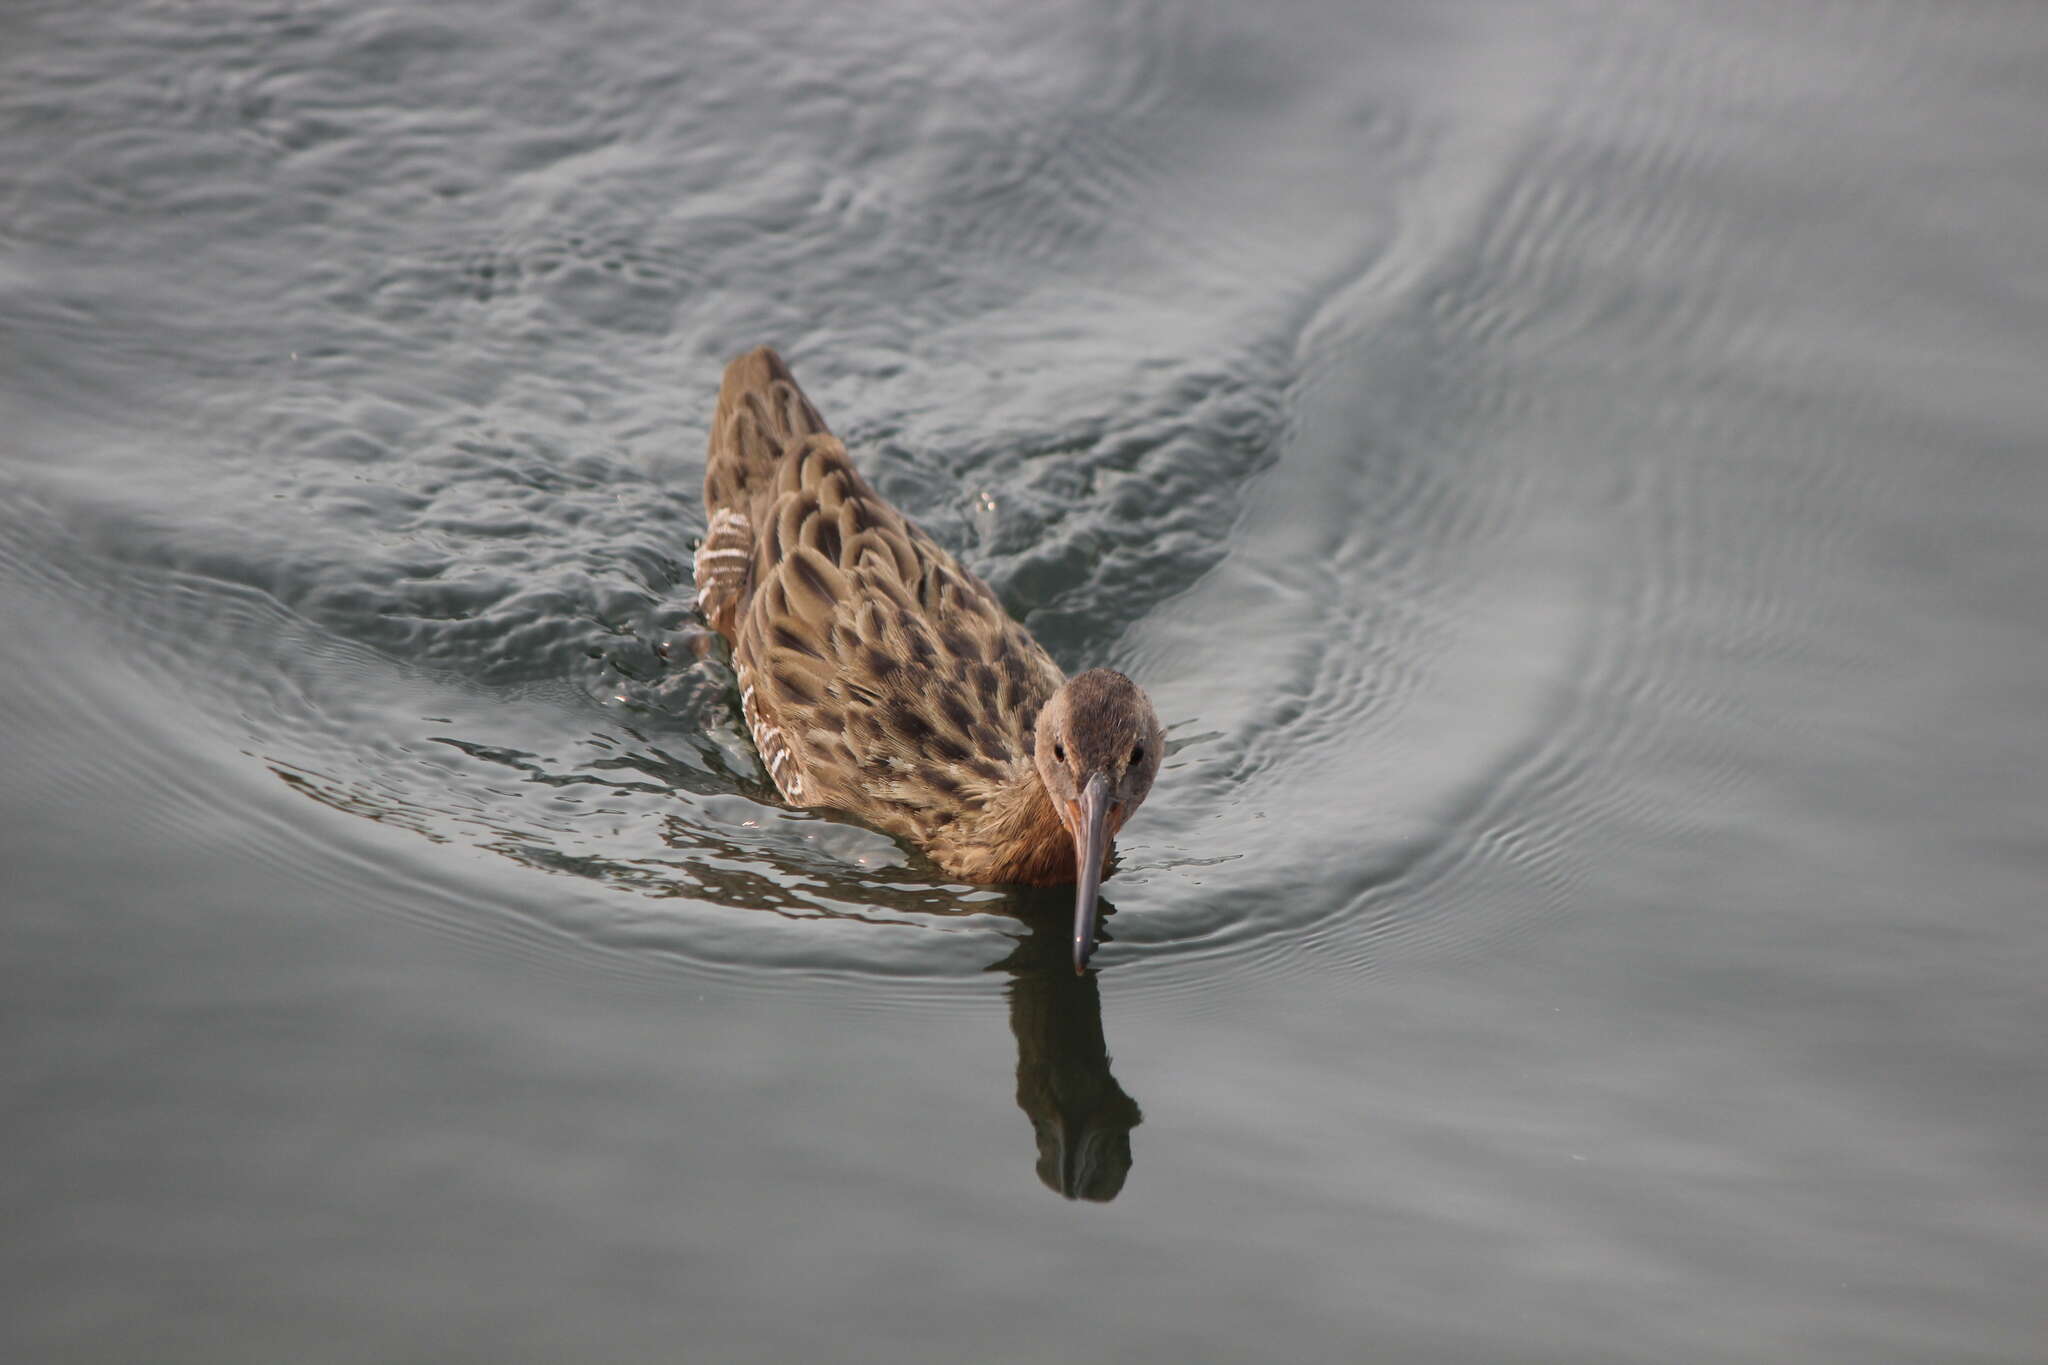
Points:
(1079, 1114)
(1081, 1117)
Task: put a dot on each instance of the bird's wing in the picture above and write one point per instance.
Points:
(879, 676)
(762, 415)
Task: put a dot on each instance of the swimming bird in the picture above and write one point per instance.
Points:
(880, 678)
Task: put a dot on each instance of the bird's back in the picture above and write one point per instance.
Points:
(877, 675)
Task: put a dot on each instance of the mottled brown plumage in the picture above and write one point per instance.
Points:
(881, 678)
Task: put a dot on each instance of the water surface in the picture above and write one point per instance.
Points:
(1570, 479)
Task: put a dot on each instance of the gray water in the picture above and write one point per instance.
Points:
(1572, 478)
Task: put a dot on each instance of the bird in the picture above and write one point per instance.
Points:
(880, 678)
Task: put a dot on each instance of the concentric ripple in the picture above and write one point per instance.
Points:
(414, 551)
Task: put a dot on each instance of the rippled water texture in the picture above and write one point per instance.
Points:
(1571, 479)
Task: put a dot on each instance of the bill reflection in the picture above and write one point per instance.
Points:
(1080, 1116)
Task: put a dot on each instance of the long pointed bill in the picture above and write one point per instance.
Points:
(1091, 841)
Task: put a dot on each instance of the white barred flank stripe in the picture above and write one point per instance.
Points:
(723, 561)
(768, 742)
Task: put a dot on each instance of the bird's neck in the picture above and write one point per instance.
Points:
(1019, 838)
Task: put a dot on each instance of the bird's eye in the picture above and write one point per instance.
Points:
(1059, 751)
(1138, 756)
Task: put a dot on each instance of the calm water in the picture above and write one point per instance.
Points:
(1572, 478)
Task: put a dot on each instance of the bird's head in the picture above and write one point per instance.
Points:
(1097, 749)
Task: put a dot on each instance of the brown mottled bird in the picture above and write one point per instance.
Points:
(881, 678)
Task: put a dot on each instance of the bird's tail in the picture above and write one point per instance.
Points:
(761, 414)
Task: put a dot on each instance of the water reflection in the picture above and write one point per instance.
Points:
(1080, 1116)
